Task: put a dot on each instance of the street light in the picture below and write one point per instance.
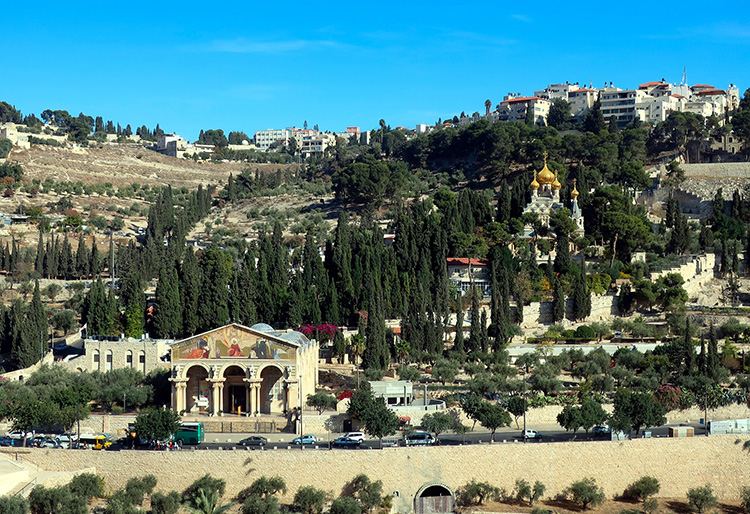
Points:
(123, 402)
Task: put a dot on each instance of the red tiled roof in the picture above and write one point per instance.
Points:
(703, 86)
(648, 84)
(678, 96)
(466, 261)
(521, 99)
(711, 92)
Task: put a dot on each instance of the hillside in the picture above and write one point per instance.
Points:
(122, 165)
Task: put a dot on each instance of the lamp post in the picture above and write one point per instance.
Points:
(123, 402)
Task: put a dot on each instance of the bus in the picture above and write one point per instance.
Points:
(95, 441)
(190, 433)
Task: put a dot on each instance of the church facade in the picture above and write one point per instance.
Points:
(243, 370)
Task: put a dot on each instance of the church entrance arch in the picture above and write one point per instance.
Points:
(235, 390)
(271, 390)
(434, 498)
(198, 390)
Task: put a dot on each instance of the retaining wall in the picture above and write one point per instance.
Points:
(678, 464)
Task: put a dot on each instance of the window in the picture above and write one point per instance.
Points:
(109, 360)
(129, 358)
(97, 364)
(142, 361)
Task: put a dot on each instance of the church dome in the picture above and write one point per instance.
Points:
(534, 184)
(545, 176)
(556, 184)
(574, 193)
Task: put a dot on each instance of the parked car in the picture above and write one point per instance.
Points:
(601, 430)
(4, 441)
(346, 442)
(63, 441)
(254, 440)
(418, 439)
(305, 439)
(359, 436)
(531, 434)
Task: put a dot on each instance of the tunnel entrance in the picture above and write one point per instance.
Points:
(434, 499)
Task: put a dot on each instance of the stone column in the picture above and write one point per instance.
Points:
(179, 386)
(253, 395)
(217, 401)
(291, 396)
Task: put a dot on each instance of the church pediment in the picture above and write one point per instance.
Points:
(236, 342)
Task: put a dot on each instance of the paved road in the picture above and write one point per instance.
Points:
(552, 435)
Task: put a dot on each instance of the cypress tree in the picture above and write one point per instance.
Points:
(562, 253)
(95, 260)
(82, 259)
(503, 203)
(95, 313)
(167, 305)
(712, 362)
(458, 340)
(189, 287)
(484, 341)
(702, 360)
(688, 348)
(37, 316)
(134, 302)
(473, 344)
(581, 296)
(558, 302)
(39, 263)
(214, 293)
(26, 349)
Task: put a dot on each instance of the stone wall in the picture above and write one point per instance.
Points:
(677, 463)
(540, 313)
(696, 272)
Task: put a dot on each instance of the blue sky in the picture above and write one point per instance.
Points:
(192, 66)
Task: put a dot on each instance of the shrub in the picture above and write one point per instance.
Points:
(409, 373)
(343, 505)
(14, 505)
(165, 503)
(54, 500)
(745, 495)
(475, 493)
(585, 332)
(642, 488)
(263, 486)
(374, 374)
(309, 500)
(524, 491)
(207, 483)
(137, 487)
(369, 493)
(586, 493)
(650, 505)
(260, 505)
(701, 498)
(87, 485)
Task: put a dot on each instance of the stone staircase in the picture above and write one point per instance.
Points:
(19, 477)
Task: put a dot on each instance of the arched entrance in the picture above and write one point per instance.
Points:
(198, 390)
(235, 390)
(271, 390)
(434, 498)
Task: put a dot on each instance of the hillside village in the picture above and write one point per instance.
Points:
(577, 257)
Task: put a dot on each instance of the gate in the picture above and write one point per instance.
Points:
(434, 499)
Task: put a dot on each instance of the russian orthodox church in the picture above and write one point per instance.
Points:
(545, 199)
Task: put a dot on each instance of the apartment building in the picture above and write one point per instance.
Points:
(265, 138)
(515, 108)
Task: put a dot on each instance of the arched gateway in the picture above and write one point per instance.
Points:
(243, 370)
(434, 498)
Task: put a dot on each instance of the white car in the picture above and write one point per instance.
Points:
(356, 436)
(531, 434)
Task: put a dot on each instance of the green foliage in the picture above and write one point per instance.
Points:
(207, 502)
(264, 486)
(745, 496)
(701, 499)
(525, 491)
(368, 493)
(493, 416)
(261, 505)
(206, 482)
(369, 182)
(444, 371)
(343, 505)
(309, 500)
(165, 503)
(409, 373)
(642, 488)
(5, 147)
(378, 420)
(14, 505)
(87, 486)
(476, 493)
(55, 500)
(321, 402)
(437, 423)
(634, 411)
(586, 493)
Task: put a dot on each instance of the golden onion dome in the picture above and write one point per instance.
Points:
(534, 183)
(556, 184)
(546, 176)
(574, 193)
